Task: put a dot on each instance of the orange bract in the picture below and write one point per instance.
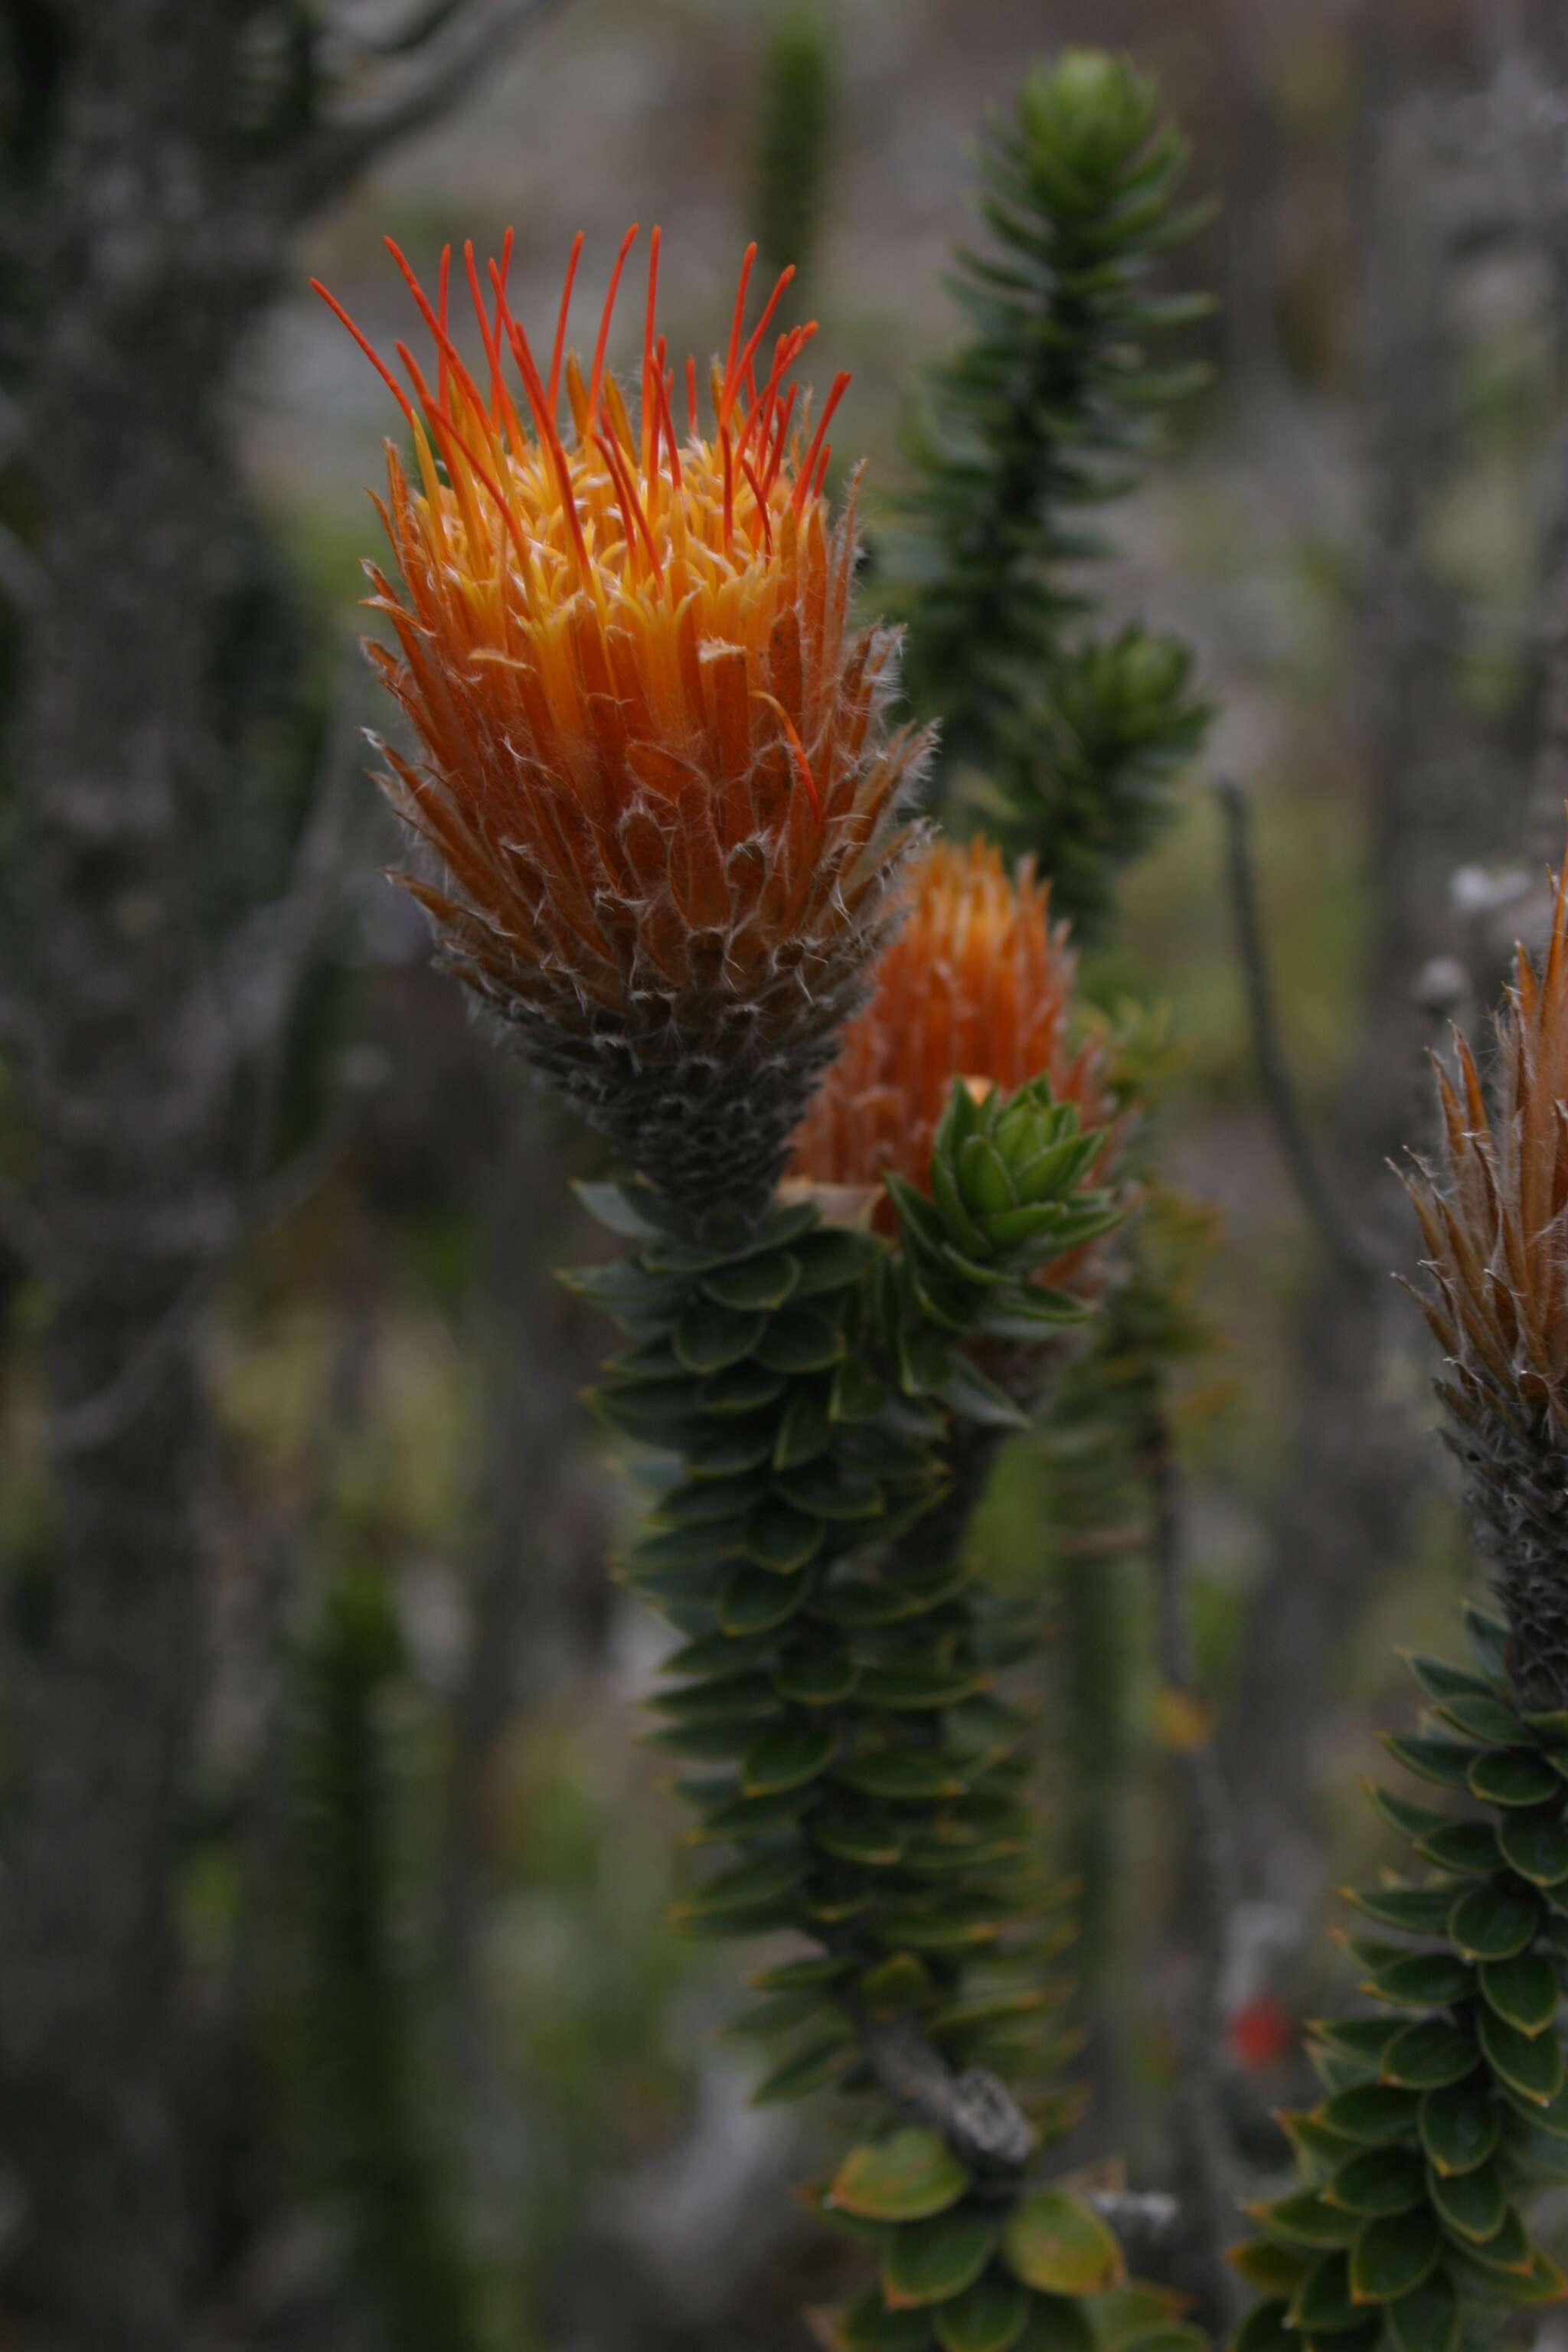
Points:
(977, 985)
(654, 768)
(1495, 1235)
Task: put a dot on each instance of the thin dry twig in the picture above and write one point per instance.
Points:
(1346, 1245)
(438, 62)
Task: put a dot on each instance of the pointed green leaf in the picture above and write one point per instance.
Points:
(1370, 2112)
(910, 1689)
(1056, 2323)
(832, 1258)
(859, 1835)
(1487, 1718)
(742, 1889)
(1523, 1990)
(812, 2069)
(1059, 2245)
(1417, 1910)
(800, 1340)
(907, 2177)
(1467, 1848)
(1379, 2180)
(780, 1538)
(1305, 2220)
(1535, 1843)
(1428, 2055)
(830, 1490)
(1271, 2269)
(1488, 1638)
(1410, 1820)
(1441, 1681)
(966, 1389)
(1486, 1924)
(1393, 2255)
(867, 2325)
(745, 1387)
(629, 1210)
(1445, 1761)
(1460, 2127)
(710, 1337)
(733, 1446)
(1322, 2301)
(816, 1677)
(1267, 2329)
(1472, 2206)
(806, 1426)
(1512, 1776)
(755, 1600)
(753, 1282)
(1421, 1980)
(908, 1775)
(791, 1976)
(857, 1394)
(988, 2316)
(789, 1757)
(1429, 2319)
(1530, 2065)
(930, 2262)
(1507, 2251)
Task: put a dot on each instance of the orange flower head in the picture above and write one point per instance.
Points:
(1495, 1222)
(654, 768)
(977, 985)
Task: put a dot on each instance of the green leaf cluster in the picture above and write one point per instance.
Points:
(1010, 1202)
(1449, 2103)
(960, 2270)
(1041, 418)
(833, 1703)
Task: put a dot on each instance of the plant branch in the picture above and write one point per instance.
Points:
(983, 2123)
(1343, 1244)
(463, 44)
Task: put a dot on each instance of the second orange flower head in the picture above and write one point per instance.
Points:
(654, 764)
(978, 984)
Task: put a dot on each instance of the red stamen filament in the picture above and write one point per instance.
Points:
(627, 497)
(669, 429)
(597, 377)
(442, 282)
(735, 324)
(802, 481)
(647, 421)
(545, 425)
(372, 354)
(759, 494)
(749, 354)
(554, 387)
(780, 436)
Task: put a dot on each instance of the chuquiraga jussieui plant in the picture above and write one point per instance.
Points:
(656, 772)
(1448, 2106)
(1061, 734)
(1066, 730)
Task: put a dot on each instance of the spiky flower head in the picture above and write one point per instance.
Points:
(977, 985)
(1495, 1222)
(653, 765)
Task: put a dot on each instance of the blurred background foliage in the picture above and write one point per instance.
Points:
(489, 2101)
